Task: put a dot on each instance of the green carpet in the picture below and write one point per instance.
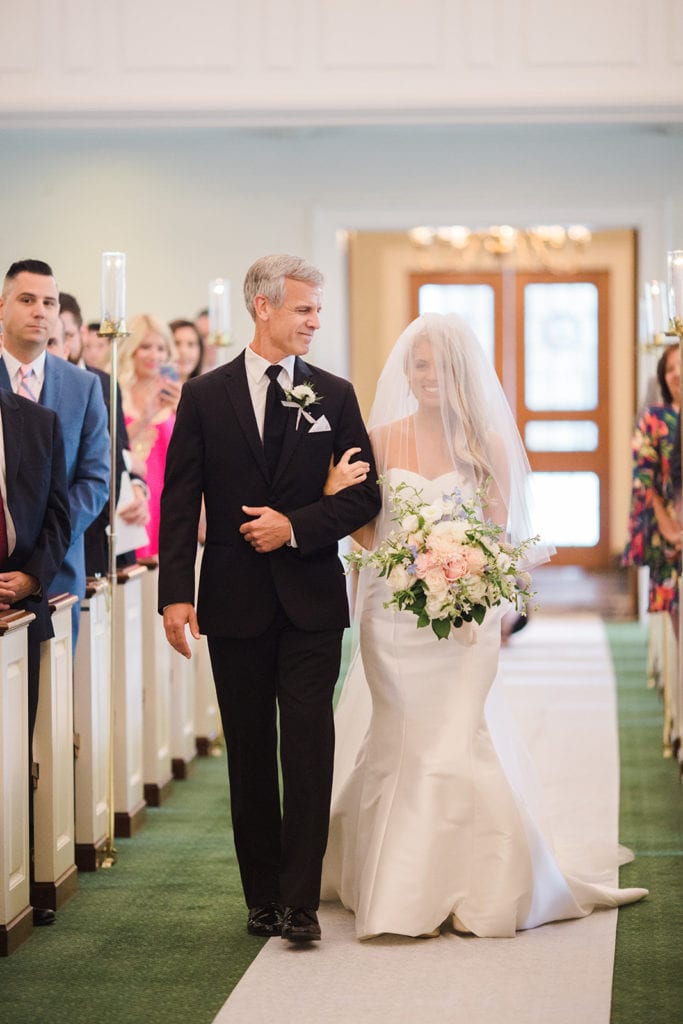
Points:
(648, 975)
(158, 937)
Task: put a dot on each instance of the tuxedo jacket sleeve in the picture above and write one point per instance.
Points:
(76, 396)
(37, 496)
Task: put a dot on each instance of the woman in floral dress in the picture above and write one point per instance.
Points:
(654, 529)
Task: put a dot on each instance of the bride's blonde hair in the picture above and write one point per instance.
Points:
(462, 404)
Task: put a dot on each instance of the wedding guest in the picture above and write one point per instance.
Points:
(96, 348)
(29, 309)
(56, 343)
(189, 348)
(272, 594)
(35, 527)
(209, 356)
(654, 533)
(136, 511)
(150, 395)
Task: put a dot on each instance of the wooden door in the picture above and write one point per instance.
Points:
(547, 337)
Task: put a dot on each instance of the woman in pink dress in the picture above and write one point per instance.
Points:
(150, 391)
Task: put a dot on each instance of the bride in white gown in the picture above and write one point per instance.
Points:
(434, 816)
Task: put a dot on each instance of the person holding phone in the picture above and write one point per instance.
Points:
(150, 390)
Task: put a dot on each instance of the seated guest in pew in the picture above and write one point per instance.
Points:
(29, 309)
(136, 511)
(35, 529)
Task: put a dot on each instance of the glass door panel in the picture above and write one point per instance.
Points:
(561, 346)
(549, 344)
(477, 298)
(562, 408)
(475, 303)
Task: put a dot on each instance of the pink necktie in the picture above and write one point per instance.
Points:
(25, 388)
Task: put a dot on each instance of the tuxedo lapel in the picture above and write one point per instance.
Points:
(238, 392)
(12, 432)
(5, 382)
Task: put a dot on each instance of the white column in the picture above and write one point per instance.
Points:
(156, 674)
(129, 802)
(16, 921)
(207, 723)
(183, 746)
(54, 863)
(91, 726)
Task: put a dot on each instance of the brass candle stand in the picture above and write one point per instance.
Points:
(113, 331)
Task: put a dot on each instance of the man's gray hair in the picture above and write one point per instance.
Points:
(267, 277)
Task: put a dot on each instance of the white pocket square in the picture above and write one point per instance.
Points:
(320, 424)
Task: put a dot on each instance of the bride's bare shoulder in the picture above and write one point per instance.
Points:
(389, 439)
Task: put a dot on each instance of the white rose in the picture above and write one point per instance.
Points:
(433, 511)
(399, 578)
(410, 523)
(304, 394)
(447, 535)
(434, 607)
(476, 588)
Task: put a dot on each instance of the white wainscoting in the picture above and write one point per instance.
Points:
(340, 61)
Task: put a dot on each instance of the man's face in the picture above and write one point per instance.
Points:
(29, 310)
(56, 344)
(290, 328)
(72, 335)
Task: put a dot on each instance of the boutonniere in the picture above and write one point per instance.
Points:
(299, 398)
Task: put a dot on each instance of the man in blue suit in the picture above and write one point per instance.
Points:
(29, 309)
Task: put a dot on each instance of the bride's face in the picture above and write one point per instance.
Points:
(422, 376)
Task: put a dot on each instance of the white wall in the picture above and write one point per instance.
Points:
(187, 205)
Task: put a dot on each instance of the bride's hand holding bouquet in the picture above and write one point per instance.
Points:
(445, 563)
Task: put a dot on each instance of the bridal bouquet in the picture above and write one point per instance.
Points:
(444, 563)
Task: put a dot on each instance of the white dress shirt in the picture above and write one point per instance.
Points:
(258, 381)
(14, 372)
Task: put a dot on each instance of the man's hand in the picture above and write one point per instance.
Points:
(15, 586)
(268, 531)
(136, 511)
(176, 617)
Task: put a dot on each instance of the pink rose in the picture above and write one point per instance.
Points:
(476, 560)
(457, 565)
(424, 562)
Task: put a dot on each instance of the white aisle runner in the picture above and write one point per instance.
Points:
(560, 683)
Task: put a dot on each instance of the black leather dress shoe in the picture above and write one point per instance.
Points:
(43, 916)
(265, 921)
(300, 925)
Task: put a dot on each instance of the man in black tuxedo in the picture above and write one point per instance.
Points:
(272, 591)
(35, 529)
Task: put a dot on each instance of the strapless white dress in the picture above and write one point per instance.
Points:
(434, 816)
